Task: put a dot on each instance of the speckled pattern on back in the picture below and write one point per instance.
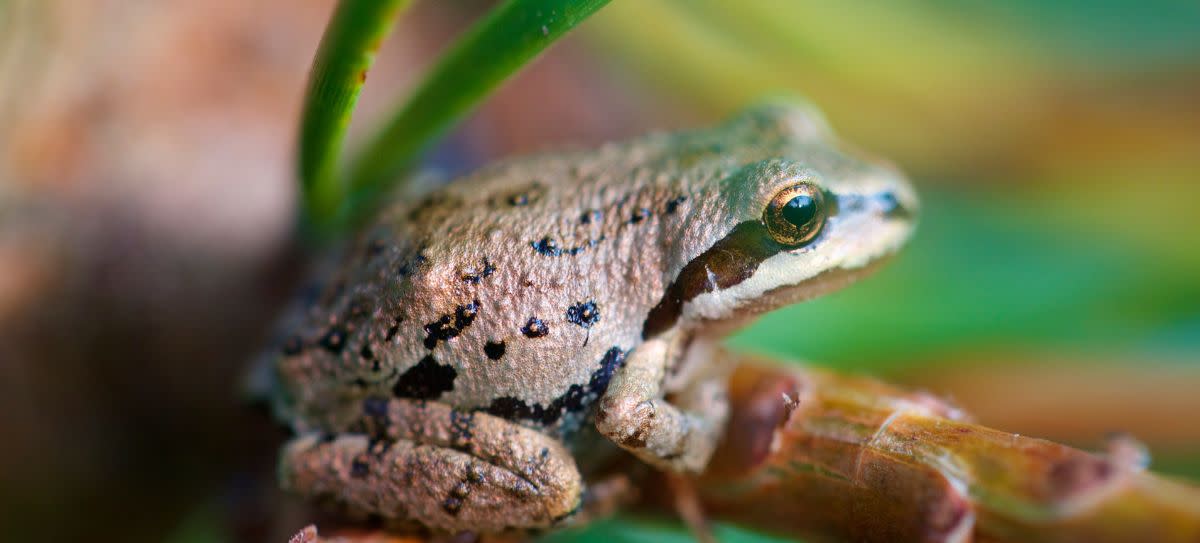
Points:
(518, 290)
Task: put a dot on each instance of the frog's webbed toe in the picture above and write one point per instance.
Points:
(442, 468)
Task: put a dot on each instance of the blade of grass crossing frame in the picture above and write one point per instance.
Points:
(339, 70)
(491, 51)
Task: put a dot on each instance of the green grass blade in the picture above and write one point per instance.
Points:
(339, 70)
(506, 39)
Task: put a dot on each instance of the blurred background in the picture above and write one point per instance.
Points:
(147, 198)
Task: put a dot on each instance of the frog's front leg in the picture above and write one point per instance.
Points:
(677, 435)
(443, 468)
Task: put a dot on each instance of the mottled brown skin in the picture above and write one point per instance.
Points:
(445, 371)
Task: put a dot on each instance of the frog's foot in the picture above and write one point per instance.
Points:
(677, 435)
(442, 468)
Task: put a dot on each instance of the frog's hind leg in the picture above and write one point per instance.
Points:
(442, 468)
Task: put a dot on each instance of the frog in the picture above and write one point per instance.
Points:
(471, 354)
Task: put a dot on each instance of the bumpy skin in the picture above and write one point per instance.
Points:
(468, 335)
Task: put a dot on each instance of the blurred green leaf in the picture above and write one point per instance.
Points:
(508, 38)
(339, 70)
(966, 89)
(1186, 466)
(1119, 34)
(202, 525)
(624, 529)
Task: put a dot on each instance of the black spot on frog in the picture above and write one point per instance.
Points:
(547, 246)
(583, 314)
(475, 275)
(576, 399)
(412, 262)
(535, 328)
(368, 354)
(452, 506)
(674, 203)
(465, 315)
(448, 327)
(334, 340)
(494, 349)
(520, 198)
(393, 329)
(427, 380)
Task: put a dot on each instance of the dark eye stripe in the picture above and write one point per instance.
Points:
(728, 262)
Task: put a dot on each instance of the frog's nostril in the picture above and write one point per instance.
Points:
(892, 207)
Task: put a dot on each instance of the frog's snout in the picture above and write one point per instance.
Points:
(893, 203)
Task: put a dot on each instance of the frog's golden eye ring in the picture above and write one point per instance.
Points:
(796, 214)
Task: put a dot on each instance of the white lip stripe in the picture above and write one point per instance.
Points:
(853, 241)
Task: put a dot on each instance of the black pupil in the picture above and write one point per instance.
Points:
(800, 210)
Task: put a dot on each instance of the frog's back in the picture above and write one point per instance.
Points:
(516, 290)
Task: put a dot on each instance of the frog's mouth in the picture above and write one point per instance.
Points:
(823, 283)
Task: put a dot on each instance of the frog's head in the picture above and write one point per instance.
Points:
(807, 219)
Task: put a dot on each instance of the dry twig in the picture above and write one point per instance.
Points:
(829, 457)
(832, 457)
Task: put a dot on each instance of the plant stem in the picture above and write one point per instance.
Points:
(508, 38)
(339, 70)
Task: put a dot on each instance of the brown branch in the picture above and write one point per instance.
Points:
(830, 457)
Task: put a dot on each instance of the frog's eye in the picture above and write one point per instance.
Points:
(795, 215)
